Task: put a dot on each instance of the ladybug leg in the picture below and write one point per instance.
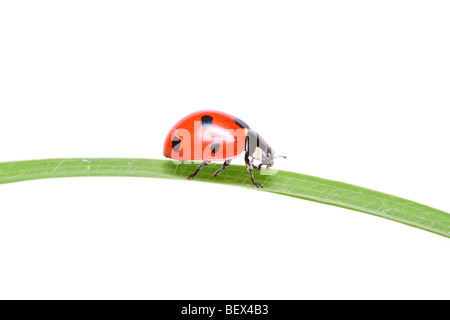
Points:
(249, 169)
(204, 164)
(224, 166)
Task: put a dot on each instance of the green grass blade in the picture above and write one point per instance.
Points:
(283, 182)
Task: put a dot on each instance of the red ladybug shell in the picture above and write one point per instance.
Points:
(206, 136)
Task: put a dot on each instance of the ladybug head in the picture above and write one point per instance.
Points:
(267, 159)
(258, 149)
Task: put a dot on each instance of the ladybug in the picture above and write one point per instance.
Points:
(216, 136)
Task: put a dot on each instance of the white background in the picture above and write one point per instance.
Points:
(348, 90)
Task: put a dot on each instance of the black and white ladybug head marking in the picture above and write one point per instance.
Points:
(258, 149)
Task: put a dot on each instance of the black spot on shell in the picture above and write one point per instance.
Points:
(215, 147)
(206, 121)
(176, 144)
(241, 123)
